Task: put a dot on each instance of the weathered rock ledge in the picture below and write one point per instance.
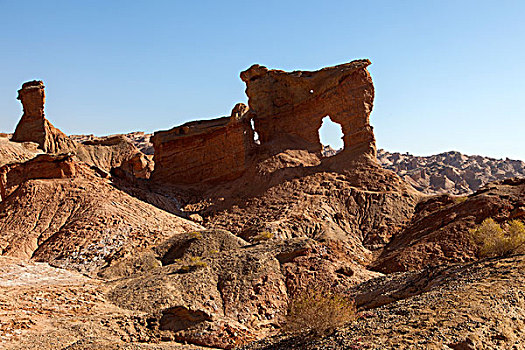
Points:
(286, 109)
(208, 150)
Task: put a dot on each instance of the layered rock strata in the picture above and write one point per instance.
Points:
(15, 152)
(438, 233)
(61, 211)
(289, 107)
(43, 166)
(111, 152)
(286, 109)
(209, 150)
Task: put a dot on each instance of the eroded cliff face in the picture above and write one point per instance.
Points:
(43, 166)
(286, 109)
(208, 150)
(34, 126)
(289, 107)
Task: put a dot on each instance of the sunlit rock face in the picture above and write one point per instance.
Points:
(204, 151)
(34, 126)
(289, 107)
(286, 109)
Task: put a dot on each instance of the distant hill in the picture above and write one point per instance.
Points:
(450, 172)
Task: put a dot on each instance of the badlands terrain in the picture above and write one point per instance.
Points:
(201, 237)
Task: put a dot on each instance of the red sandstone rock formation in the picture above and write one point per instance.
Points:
(207, 150)
(289, 107)
(438, 233)
(15, 152)
(104, 153)
(215, 289)
(108, 153)
(139, 166)
(287, 110)
(43, 166)
(59, 211)
(34, 126)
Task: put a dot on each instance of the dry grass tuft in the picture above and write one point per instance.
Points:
(318, 311)
(195, 262)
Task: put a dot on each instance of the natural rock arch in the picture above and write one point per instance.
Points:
(288, 108)
(328, 135)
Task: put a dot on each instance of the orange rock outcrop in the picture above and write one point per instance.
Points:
(286, 109)
(43, 166)
(34, 126)
(289, 108)
(205, 150)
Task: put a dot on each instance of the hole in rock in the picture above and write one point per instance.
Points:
(331, 136)
(255, 134)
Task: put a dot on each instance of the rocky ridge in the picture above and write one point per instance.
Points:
(474, 306)
(211, 252)
(450, 172)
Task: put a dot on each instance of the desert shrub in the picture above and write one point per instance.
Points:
(263, 236)
(493, 240)
(318, 310)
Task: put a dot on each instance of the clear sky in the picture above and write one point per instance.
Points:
(449, 75)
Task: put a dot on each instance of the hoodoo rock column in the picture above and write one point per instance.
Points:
(34, 127)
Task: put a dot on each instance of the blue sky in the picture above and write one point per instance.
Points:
(449, 75)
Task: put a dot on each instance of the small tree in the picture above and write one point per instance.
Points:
(493, 240)
(318, 311)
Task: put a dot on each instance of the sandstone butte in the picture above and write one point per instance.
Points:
(207, 242)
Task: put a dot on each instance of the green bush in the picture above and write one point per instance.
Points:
(493, 240)
(318, 310)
